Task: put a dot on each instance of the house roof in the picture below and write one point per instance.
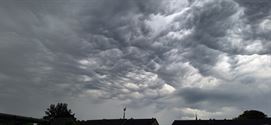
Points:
(120, 122)
(9, 117)
(223, 122)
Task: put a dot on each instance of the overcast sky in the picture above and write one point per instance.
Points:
(168, 59)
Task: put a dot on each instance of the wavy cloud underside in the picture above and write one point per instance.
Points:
(165, 59)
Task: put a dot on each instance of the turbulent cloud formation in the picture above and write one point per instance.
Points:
(167, 59)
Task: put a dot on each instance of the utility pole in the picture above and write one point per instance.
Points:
(124, 112)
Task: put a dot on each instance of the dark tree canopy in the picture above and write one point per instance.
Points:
(58, 111)
(251, 114)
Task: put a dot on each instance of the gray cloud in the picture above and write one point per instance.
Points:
(164, 59)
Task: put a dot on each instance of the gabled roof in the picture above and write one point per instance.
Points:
(120, 122)
(141, 122)
(103, 122)
(223, 122)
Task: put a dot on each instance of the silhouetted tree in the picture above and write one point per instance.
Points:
(58, 111)
(251, 114)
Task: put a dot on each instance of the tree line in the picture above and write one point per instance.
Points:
(61, 111)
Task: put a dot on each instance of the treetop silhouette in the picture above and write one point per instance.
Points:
(251, 114)
(58, 111)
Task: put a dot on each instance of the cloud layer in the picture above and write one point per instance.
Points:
(164, 59)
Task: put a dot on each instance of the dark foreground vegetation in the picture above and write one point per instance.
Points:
(60, 114)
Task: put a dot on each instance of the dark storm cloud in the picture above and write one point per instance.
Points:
(262, 7)
(257, 14)
(43, 44)
(166, 56)
(196, 95)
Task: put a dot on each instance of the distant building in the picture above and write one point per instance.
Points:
(8, 119)
(63, 121)
(120, 122)
(223, 122)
